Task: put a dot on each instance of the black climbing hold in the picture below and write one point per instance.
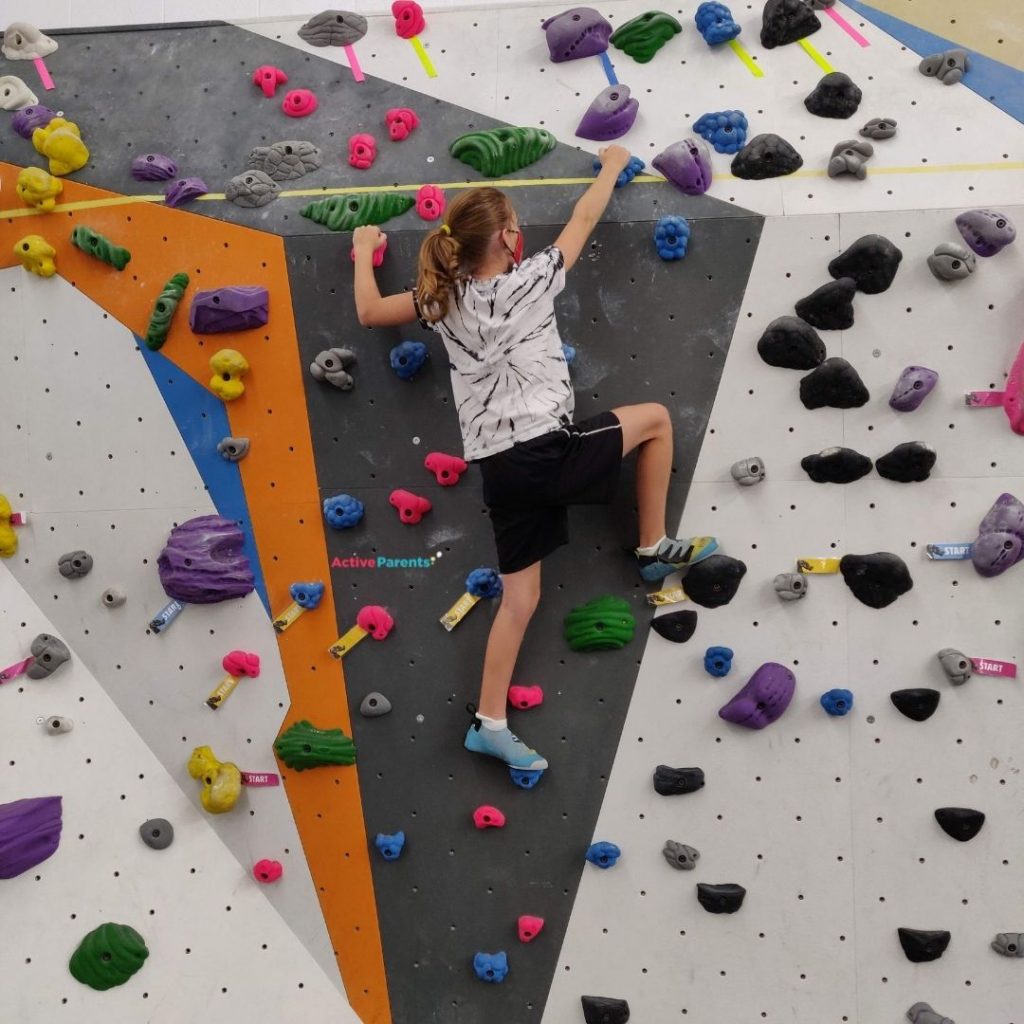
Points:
(786, 21)
(676, 626)
(714, 581)
(673, 781)
(834, 96)
(872, 261)
(830, 307)
(604, 1010)
(907, 463)
(961, 823)
(836, 466)
(766, 156)
(876, 580)
(721, 899)
(922, 946)
(835, 383)
(918, 704)
(791, 343)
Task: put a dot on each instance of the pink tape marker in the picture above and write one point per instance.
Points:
(846, 26)
(44, 73)
(353, 63)
(15, 670)
(19, 519)
(260, 779)
(987, 667)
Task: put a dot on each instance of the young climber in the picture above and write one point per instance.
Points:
(495, 313)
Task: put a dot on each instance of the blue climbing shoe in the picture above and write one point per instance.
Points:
(505, 746)
(674, 554)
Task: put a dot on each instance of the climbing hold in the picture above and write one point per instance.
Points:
(285, 161)
(390, 846)
(233, 449)
(675, 626)
(603, 854)
(837, 702)
(791, 343)
(627, 174)
(378, 253)
(29, 833)
(491, 967)
(726, 898)
(153, 167)
(8, 538)
(830, 307)
(876, 580)
(374, 705)
(229, 367)
(222, 781)
(362, 151)
(60, 142)
(38, 189)
(524, 697)
(267, 871)
(108, 956)
(346, 213)
(957, 666)
(790, 586)
(486, 816)
(907, 463)
(687, 164)
(604, 1010)
(237, 664)
(401, 122)
(113, 597)
(766, 156)
(714, 581)
(871, 261)
(836, 466)
(407, 359)
(163, 311)
(987, 232)
(343, 511)
(834, 383)
(23, 41)
(484, 583)
(879, 128)
(184, 190)
(502, 150)
(306, 595)
(726, 130)
(525, 778)
(411, 507)
(28, 119)
(715, 23)
(331, 366)
(718, 661)
(1000, 542)
(157, 833)
(371, 620)
(786, 21)
(1009, 944)
(334, 28)
(948, 67)
(251, 189)
(92, 243)
(603, 624)
(951, 261)
(268, 78)
(446, 468)
(917, 704)
(579, 32)
(671, 237)
(763, 699)
(204, 561)
(835, 95)
(49, 653)
(922, 946)
(15, 94)
(680, 856)
(57, 724)
(850, 157)
(234, 308)
(610, 116)
(643, 36)
(747, 472)
(302, 745)
(915, 384)
(430, 202)
(75, 564)
(922, 1013)
(960, 823)
(409, 20)
(676, 781)
(36, 255)
(529, 927)
(299, 103)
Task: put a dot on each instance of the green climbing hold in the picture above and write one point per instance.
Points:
(163, 311)
(346, 213)
(502, 150)
(604, 624)
(303, 746)
(108, 956)
(643, 36)
(94, 244)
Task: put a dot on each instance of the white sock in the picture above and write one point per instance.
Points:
(651, 549)
(494, 724)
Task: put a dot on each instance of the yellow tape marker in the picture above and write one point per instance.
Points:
(288, 617)
(816, 57)
(423, 56)
(738, 48)
(818, 566)
(345, 643)
(458, 611)
(671, 596)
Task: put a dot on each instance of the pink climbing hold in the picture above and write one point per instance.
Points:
(411, 507)
(267, 871)
(378, 253)
(268, 78)
(1011, 398)
(362, 151)
(401, 121)
(409, 20)
(447, 468)
(524, 697)
(242, 663)
(375, 620)
(430, 202)
(486, 816)
(300, 103)
(530, 927)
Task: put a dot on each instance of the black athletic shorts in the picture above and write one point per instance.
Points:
(528, 487)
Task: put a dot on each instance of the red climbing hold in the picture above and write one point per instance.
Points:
(242, 663)
(530, 927)
(378, 253)
(486, 816)
(362, 151)
(447, 468)
(268, 78)
(524, 697)
(409, 20)
(375, 620)
(267, 871)
(411, 507)
(401, 121)
(299, 103)
(430, 202)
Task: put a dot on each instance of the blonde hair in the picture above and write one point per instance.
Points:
(453, 251)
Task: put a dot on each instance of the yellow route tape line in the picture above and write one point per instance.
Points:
(738, 48)
(423, 56)
(816, 57)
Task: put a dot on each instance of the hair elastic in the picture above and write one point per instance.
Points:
(444, 229)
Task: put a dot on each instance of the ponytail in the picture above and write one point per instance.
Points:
(438, 273)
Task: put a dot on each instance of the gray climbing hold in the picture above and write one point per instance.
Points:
(830, 307)
(113, 597)
(251, 189)
(334, 28)
(922, 1013)
(331, 366)
(285, 161)
(879, 128)
(50, 653)
(157, 833)
(58, 723)
(75, 564)
(948, 67)
(374, 705)
(748, 472)
(835, 95)
(956, 665)
(951, 261)
(790, 586)
(680, 856)
(850, 157)
(234, 449)
(1009, 944)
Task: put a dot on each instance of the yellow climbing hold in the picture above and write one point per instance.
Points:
(8, 538)
(37, 188)
(222, 781)
(229, 367)
(37, 255)
(61, 143)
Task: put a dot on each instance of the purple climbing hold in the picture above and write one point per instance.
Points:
(687, 164)
(764, 698)
(204, 561)
(28, 119)
(1000, 542)
(610, 116)
(29, 833)
(987, 232)
(236, 308)
(153, 167)
(579, 32)
(184, 190)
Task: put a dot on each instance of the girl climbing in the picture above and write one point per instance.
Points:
(495, 313)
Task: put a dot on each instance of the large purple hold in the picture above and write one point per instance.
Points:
(1000, 542)
(687, 165)
(237, 308)
(913, 387)
(29, 833)
(203, 562)
(610, 116)
(28, 119)
(987, 232)
(184, 190)
(763, 699)
(579, 32)
(153, 167)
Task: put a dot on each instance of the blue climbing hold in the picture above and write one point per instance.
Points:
(484, 583)
(408, 358)
(491, 967)
(726, 130)
(526, 778)
(306, 595)
(390, 847)
(715, 23)
(837, 702)
(718, 661)
(671, 237)
(343, 511)
(570, 354)
(628, 173)
(603, 854)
